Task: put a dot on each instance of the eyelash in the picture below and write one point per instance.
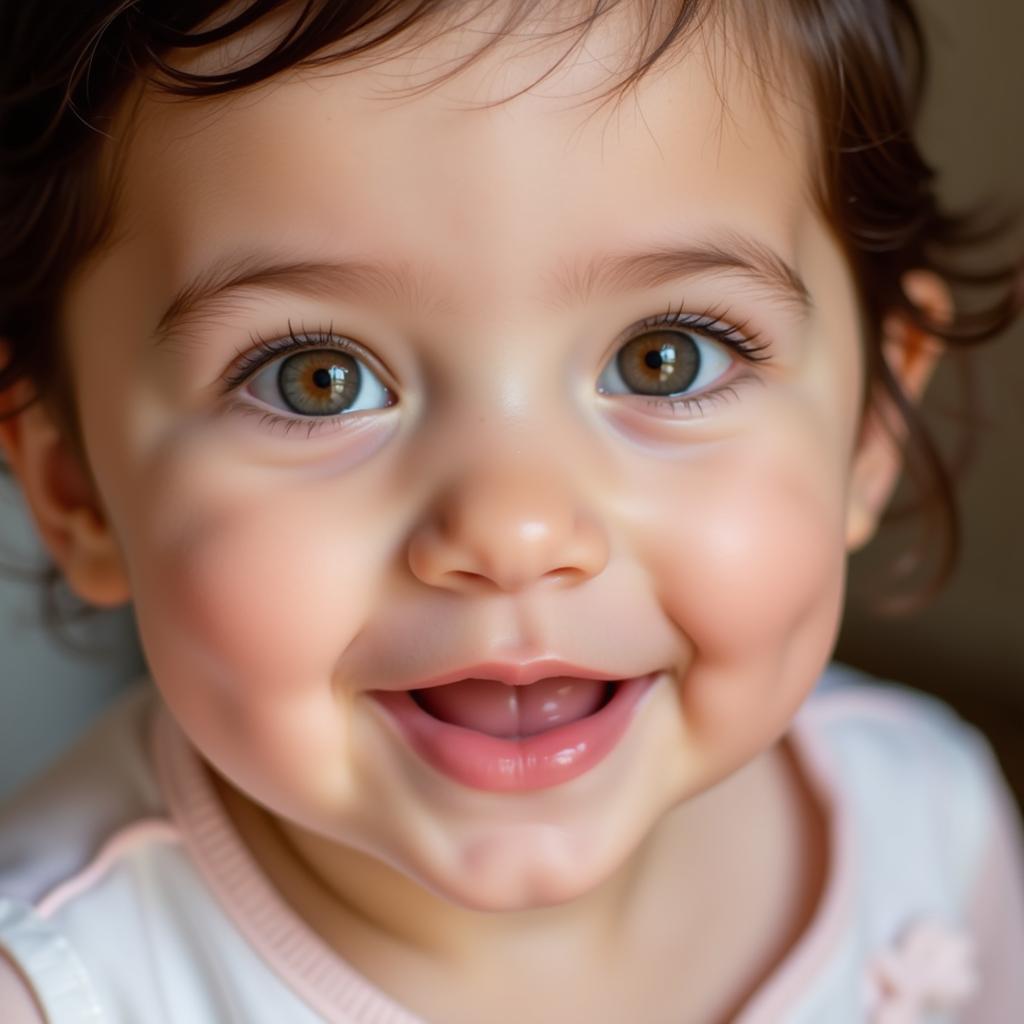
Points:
(749, 344)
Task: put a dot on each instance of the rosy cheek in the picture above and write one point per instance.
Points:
(751, 573)
(271, 590)
(246, 595)
(264, 623)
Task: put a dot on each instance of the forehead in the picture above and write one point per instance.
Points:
(466, 190)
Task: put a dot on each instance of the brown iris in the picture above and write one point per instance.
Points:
(659, 362)
(319, 383)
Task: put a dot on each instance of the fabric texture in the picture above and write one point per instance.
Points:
(126, 896)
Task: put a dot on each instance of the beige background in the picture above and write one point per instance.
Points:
(968, 646)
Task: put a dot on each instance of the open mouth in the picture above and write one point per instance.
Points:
(494, 737)
(513, 712)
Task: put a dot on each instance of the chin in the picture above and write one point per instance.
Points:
(506, 874)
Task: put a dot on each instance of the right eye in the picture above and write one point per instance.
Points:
(319, 382)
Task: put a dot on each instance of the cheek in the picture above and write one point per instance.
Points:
(751, 569)
(765, 548)
(246, 595)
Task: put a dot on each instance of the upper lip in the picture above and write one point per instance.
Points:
(515, 673)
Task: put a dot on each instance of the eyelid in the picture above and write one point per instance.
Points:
(715, 323)
(265, 350)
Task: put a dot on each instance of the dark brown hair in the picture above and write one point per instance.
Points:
(67, 67)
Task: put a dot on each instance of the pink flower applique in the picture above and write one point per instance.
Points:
(930, 967)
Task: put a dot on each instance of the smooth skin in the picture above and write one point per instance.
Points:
(497, 494)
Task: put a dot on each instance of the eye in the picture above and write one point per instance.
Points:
(320, 382)
(664, 362)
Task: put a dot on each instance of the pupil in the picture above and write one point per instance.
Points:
(653, 360)
(322, 378)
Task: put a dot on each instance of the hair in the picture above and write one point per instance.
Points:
(67, 68)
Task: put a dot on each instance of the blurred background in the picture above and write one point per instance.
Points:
(967, 647)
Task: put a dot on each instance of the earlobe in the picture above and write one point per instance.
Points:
(912, 355)
(63, 504)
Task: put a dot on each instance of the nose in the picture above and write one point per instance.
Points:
(507, 528)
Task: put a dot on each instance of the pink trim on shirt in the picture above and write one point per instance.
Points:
(804, 962)
(331, 987)
(122, 842)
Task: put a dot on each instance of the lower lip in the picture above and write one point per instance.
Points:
(534, 762)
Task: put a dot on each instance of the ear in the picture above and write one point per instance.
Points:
(61, 499)
(912, 355)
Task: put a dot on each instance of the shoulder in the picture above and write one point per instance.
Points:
(938, 832)
(53, 827)
(920, 780)
(95, 886)
(884, 724)
(848, 693)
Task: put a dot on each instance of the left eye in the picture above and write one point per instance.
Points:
(321, 382)
(666, 362)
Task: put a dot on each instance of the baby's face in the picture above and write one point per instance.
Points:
(498, 481)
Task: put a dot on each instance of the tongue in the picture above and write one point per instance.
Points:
(510, 711)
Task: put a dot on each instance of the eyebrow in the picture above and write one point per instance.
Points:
(215, 286)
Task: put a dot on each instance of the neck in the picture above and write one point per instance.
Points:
(376, 917)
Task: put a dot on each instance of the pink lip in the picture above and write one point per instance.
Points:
(529, 763)
(513, 673)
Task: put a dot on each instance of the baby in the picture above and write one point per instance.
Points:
(477, 405)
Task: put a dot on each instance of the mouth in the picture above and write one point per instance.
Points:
(498, 737)
(514, 712)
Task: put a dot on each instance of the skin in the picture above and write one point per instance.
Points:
(501, 504)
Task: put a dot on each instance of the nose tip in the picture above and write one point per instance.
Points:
(505, 532)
